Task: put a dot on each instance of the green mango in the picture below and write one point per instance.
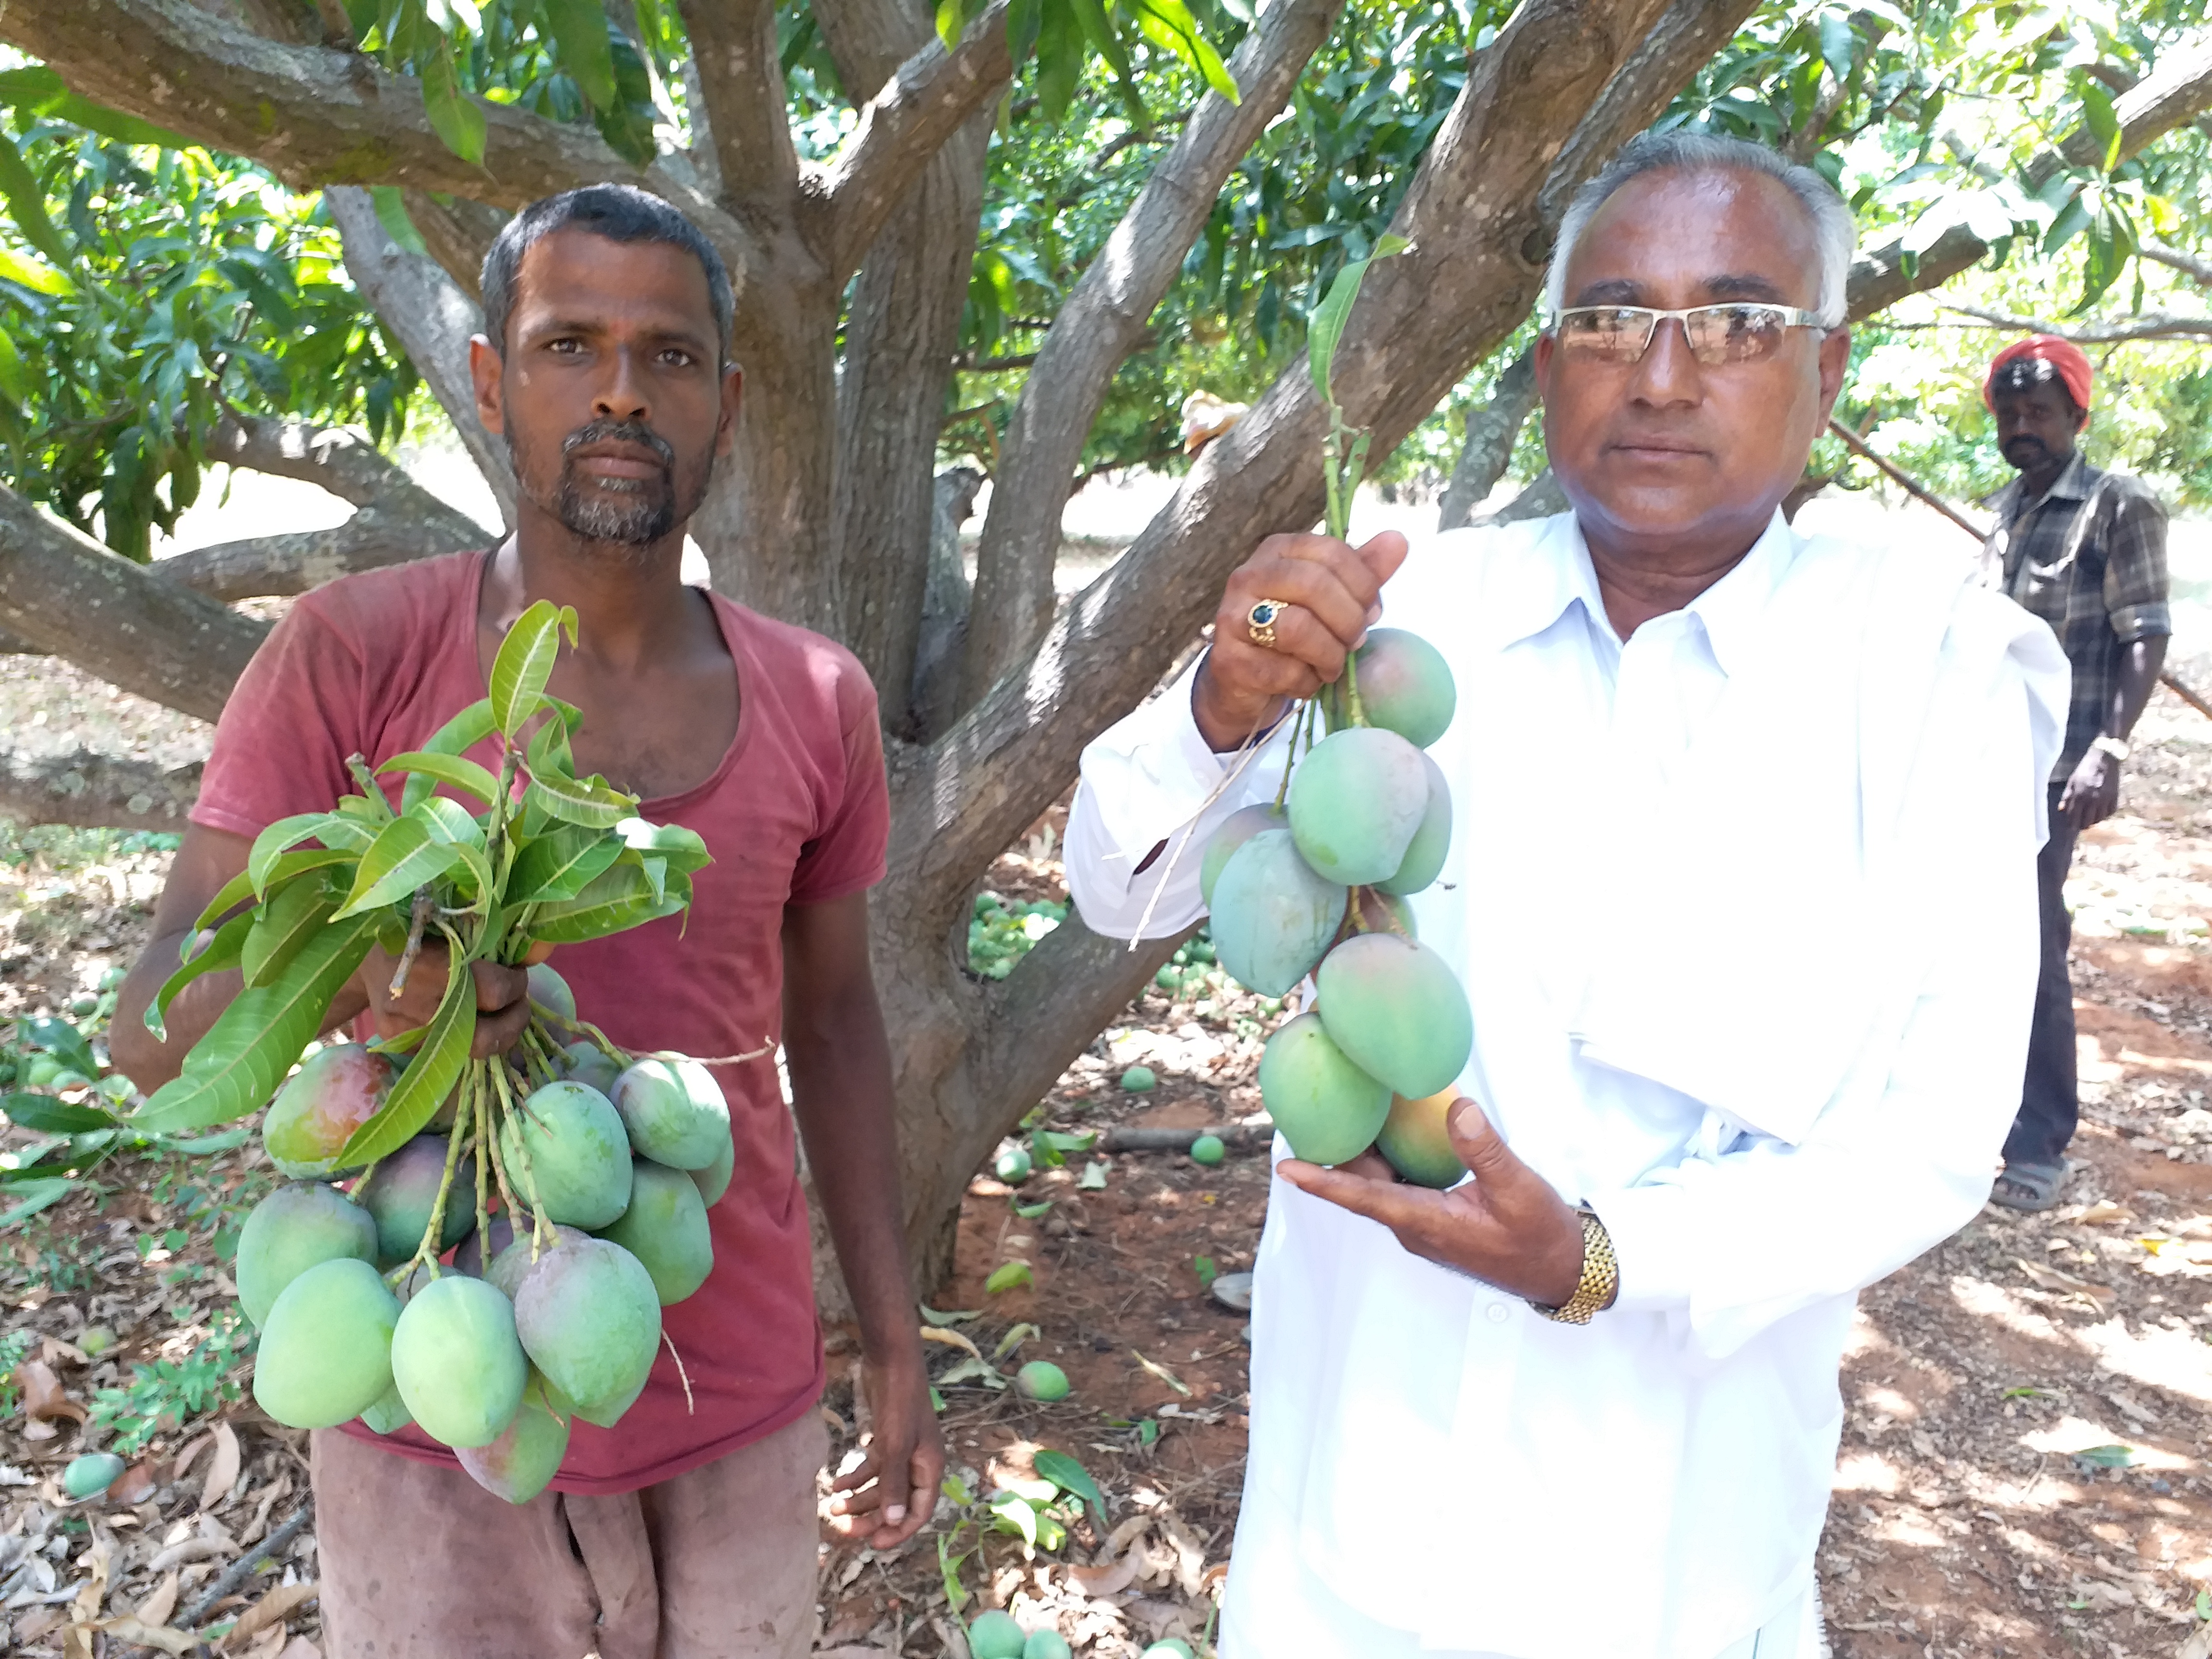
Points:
(333, 1093)
(523, 1460)
(326, 1352)
(567, 1145)
(1416, 1142)
(589, 1318)
(1424, 854)
(459, 1368)
(665, 1228)
(1234, 831)
(1327, 1107)
(1405, 685)
(1355, 803)
(1396, 1010)
(1272, 915)
(673, 1111)
(297, 1226)
(402, 1192)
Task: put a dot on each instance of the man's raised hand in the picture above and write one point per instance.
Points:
(1330, 594)
(502, 996)
(1507, 1227)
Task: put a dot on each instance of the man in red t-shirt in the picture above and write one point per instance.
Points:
(689, 1528)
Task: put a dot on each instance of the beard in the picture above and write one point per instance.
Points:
(2025, 451)
(631, 514)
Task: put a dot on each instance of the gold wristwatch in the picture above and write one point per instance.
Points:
(1601, 1278)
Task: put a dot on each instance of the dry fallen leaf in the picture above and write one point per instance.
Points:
(190, 1449)
(43, 1399)
(138, 1483)
(222, 1471)
(131, 1628)
(271, 1610)
(157, 1608)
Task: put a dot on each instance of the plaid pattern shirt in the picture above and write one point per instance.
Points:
(2088, 557)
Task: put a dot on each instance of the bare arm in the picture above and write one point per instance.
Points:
(209, 859)
(840, 1087)
(2093, 793)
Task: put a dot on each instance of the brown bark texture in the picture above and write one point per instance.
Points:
(827, 514)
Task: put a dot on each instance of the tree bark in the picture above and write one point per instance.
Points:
(86, 790)
(457, 234)
(1492, 432)
(1542, 498)
(945, 605)
(271, 567)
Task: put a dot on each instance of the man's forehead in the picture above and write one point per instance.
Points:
(574, 268)
(1717, 234)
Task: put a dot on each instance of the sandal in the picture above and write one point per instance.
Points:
(2034, 1187)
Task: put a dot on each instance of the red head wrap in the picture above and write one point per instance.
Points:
(2066, 360)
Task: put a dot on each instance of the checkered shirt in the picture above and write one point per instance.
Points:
(2088, 557)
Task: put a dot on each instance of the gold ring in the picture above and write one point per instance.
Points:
(1260, 621)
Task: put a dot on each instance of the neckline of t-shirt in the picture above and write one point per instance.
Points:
(725, 617)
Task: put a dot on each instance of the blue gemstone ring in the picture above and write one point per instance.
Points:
(1260, 621)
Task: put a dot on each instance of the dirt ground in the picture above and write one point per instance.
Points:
(2026, 1405)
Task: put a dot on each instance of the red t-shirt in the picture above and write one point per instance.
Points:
(796, 812)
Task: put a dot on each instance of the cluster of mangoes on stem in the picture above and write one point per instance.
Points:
(1316, 883)
(569, 1183)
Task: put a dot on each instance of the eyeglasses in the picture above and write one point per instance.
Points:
(1737, 333)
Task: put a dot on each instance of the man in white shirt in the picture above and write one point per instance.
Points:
(1741, 890)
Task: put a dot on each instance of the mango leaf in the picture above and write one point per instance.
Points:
(54, 1117)
(449, 822)
(1015, 1516)
(621, 897)
(32, 1196)
(1070, 1476)
(587, 801)
(550, 750)
(407, 856)
(561, 865)
(464, 732)
(27, 203)
(1006, 1276)
(579, 29)
(1327, 327)
(473, 876)
(31, 274)
(430, 1075)
(218, 951)
(237, 1065)
(1091, 16)
(454, 115)
(64, 1041)
(457, 771)
(684, 848)
(334, 830)
(286, 921)
(1167, 24)
(2104, 123)
(524, 663)
(392, 213)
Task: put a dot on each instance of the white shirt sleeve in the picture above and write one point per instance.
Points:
(1737, 1237)
(1149, 779)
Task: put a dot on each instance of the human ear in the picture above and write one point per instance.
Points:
(485, 374)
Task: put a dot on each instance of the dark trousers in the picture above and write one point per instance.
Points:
(2049, 1100)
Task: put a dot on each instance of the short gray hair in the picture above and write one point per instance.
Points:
(1833, 231)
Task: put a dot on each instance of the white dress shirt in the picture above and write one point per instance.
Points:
(1745, 908)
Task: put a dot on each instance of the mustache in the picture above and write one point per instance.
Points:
(2024, 441)
(621, 432)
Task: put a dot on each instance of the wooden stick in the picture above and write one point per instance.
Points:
(1858, 446)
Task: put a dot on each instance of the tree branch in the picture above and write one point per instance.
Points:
(270, 566)
(2150, 325)
(458, 234)
(430, 316)
(920, 107)
(1539, 499)
(88, 790)
(1101, 323)
(66, 593)
(1492, 432)
(1424, 319)
(2177, 89)
(2196, 270)
(341, 461)
(740, 81)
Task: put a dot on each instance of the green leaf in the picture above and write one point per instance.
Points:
(334, 830)
(685, 849)
(1327, 327)
(1178, 32)
(286, 921)
(1099, 28)
(559, 865)
(1070, 1476)
(64, 1041)
(404, 857)
(587, 801)
(29, 273)
(2104, 123)
(550, 751)
(237, 1065)
(464, 732)
(1093, 1179)
(54, 1117)
(456, 117)
(430, 1075)
(1206, 1271)
(1016, 1515)
(448, 821)
(220, 950)
(392, 213)
(1006, 1276)
(619, 898)
(579, 29)
(457, 771)
(27, 203)
(2106, 1457)
(34, 1196)
(524, 663)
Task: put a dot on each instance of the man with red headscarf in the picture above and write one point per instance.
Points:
(2085, 550)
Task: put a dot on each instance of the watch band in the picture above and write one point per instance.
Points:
(1601, 1278)
(2106, 743)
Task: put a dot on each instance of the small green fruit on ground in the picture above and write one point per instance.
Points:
(296, 1227)
(549, 990)
(578, 1154)
(92, 1474)
(665, 1228)
(457, 1362)
(326, 1354)
(1046, 1644)
(1013, 1166)
(1042, 1380)
(339, 1089)
(1207, 1149)
(994, 1635)
(1139, 1080)
(95, 1339)
(1173, 1648)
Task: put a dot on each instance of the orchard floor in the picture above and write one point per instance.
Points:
(2022, 1470)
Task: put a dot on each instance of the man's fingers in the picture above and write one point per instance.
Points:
(1384, 553)
(499, 986)
(1479, 1146)
(1395, 1205)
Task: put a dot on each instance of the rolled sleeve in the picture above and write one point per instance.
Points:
(2135, 588)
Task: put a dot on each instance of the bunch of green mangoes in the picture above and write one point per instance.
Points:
(1317, 885)
(529, 1324)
